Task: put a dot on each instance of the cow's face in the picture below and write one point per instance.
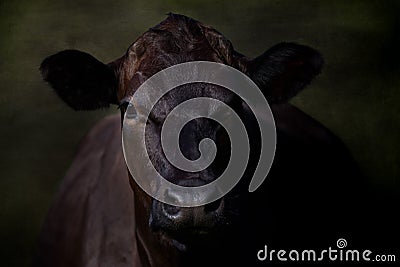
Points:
(183, 225)
(85, 83)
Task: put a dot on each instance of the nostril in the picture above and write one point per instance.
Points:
(213, 206)
(171, 210)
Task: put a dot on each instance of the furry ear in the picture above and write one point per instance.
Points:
(284, 70)
(82, 81)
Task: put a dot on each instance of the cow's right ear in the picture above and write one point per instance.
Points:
(82, 81)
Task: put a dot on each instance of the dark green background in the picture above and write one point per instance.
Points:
(357, 96)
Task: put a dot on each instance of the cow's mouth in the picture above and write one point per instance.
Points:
(187, 238)
(187, 228)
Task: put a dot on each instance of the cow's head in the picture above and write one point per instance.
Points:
(85, 83)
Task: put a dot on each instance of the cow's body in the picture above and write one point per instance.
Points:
(92, 221)
(101, 217)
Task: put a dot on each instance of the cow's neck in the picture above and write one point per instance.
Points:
(153, 253)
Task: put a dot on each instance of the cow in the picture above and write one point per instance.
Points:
(101, 217)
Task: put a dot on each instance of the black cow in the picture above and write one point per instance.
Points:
(312, 195)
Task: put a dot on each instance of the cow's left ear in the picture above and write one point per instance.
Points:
(284, 70)
(82, 81)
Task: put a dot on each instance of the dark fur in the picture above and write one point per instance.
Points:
(285, 69)
(83, 82)
(312, 196)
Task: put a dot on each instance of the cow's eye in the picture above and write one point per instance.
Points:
(123, 106)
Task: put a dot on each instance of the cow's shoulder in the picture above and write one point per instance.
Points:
(292, 121)
(91, 221)
(314, 176)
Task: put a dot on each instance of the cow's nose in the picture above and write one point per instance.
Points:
(202, 216)
(174, 212)
(168, 217)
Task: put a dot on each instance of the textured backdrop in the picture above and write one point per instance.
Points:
(357, 96)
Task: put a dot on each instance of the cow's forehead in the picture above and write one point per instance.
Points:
(191, 91)
(180, 26)
(175, 40)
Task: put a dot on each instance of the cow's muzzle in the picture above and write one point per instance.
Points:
(196, 220)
